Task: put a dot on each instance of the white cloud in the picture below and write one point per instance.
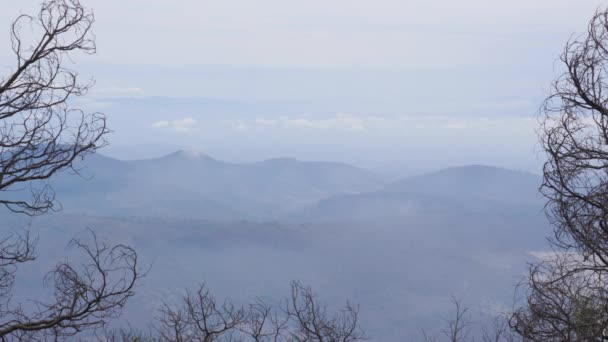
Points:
(183, 125)
(341, 121)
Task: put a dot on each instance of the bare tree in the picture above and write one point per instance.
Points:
(565, 297)
(264, 323)
(85, 296)
(300, 318)
(458, 327)
(15, 249)
(313, 323)
(200, 318)
(40, 133)
(575, 138)
(498, 330)
(564, 302)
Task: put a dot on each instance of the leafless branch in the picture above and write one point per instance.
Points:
(457, 329)
(566, 296)
(313, 323)
(199, 318)
(85, 295)
(303, 318)
(565, 302)
(40, 134)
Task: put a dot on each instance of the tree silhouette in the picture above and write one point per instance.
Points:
(40, 135)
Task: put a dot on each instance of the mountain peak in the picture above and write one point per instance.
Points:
(188, 155)
(281, 160)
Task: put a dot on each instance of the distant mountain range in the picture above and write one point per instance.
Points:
(195, 185)
(453, 191)
(474, 182)
(397, 249)
(192, 184)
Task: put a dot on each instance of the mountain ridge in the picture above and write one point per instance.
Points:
(194, 184)
(472, 189)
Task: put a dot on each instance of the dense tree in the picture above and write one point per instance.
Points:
(40, 135)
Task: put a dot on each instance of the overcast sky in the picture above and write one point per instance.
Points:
(328, 33)
(381, 81)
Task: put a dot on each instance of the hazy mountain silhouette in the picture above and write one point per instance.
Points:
(474, 181)
(461, 190)
(465, 230)
(193, 184)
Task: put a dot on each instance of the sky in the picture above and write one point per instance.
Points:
(397, 85)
